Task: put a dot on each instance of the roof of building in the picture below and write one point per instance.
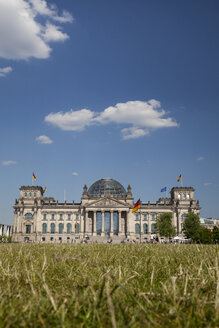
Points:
(106, 187)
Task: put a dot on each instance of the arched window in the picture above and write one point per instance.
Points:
(137, 228)
(28, 216)
(69, 228)
(145, 228)
(25, 194)
(77, 227)
(30, 194)
(61, 227)
(153, 228)
(44, 228)
(52, 228)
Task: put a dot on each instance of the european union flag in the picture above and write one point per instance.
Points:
(163, 189)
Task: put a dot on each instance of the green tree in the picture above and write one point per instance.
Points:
(205, 236)
(191, 227)
(164, 225)
(215, 234)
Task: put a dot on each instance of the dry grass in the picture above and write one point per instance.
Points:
(109, 285)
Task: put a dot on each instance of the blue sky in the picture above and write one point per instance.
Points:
(122, 89)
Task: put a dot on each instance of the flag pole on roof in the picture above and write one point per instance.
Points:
(33, 178)
(137, 207)
(180, 179)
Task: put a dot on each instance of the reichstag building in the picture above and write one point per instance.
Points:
(105, 212)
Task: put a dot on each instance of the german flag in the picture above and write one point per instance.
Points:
(179, 178)
(137, 206)
(33, 176)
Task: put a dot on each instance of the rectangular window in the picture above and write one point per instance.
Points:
(145, 217)
(77, 217)
(69, 216)
(61, 217)
(44, 216)
(28, 228)
(153, 217)
(53, 217)
(136, 217)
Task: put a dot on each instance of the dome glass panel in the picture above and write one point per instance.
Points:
(106, 187)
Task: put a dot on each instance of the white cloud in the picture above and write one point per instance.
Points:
(75, 173)
(72, 120)
(207, 184)
(41, 7)
(8, 163)
(133, 133)
(5, 70)
(53, 33)
(141, 118)
(44, 140)
(21, 34)
(201, 158)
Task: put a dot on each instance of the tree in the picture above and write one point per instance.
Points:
(192, 226)
(164, 225)
(215, 234)
(205, 236)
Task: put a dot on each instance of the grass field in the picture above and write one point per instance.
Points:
(97, 285)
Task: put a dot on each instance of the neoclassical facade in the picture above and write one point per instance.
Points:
(105, 211)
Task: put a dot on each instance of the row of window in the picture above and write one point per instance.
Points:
(145, 228)
(183, 196)
(52, 228)
(61, 228)
(30, 194)
(45, 217)
(145, 217)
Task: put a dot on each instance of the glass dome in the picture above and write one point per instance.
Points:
(106, 187)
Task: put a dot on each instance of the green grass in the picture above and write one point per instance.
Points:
(96, 285)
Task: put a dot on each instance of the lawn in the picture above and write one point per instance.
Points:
(93, 285)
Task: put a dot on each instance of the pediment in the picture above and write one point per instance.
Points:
(107, 202)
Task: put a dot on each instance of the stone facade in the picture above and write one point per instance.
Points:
(42, 219)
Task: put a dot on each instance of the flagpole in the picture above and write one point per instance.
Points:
(181, 180)
(140, 221)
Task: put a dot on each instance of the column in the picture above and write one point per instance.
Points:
(120, 223)
(15, 223)
(127, 225)
(149, 224)
(111, 222)
(174, 219)
(102, 233)
(95, 223)
(81, 224)
(86, 222)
